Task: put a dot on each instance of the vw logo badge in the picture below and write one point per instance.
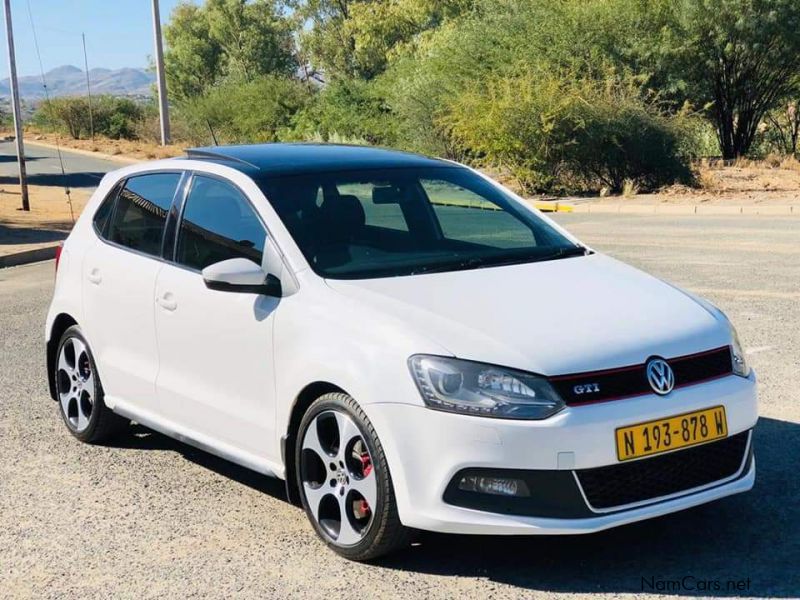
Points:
(660, 376)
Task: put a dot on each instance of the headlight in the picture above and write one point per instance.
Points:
(740, 367)
(477, 389)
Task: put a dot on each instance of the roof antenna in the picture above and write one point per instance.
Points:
(211, 129)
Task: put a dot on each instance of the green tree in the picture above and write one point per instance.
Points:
(738, 58)
(225, 38)
(355, 38)
(192, 60)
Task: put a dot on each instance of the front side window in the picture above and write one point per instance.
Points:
(218, 223)
(406, 221)
(141, 212)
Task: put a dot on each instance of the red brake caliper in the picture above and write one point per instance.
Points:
(366, 464)
(361, 508)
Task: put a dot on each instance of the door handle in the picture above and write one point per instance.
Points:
(94, 276)
(167, 301)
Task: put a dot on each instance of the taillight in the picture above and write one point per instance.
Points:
(59, 248)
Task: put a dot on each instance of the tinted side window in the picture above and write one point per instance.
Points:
(104, 211)
(218, 223)
(141, 211)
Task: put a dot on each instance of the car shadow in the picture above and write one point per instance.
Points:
(745, 545)
(140, 437)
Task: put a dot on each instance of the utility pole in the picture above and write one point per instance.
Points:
(88, 87)
(162, 84)
(12, 67)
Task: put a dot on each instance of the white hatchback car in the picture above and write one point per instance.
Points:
(405, 342)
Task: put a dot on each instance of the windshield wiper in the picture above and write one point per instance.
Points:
(481, 262)
(566, 253)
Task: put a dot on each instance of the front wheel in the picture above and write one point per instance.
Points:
(344, 480)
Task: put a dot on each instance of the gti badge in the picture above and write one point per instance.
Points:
(586, 388)
(660, 376)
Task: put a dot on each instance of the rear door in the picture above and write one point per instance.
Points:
(119, 277)
(215, 347)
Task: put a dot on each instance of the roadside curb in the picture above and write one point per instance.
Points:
(28, 256)
(101, 155)
(553, 206)
(688, 209)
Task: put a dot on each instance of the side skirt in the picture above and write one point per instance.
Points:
(225, 451)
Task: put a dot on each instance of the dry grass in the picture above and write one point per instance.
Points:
(134, 149)
(629, 188)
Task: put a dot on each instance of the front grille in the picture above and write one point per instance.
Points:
(651, 478)
(613, 384)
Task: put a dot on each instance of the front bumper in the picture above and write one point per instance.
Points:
(426, 449)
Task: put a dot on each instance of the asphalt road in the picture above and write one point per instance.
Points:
(44, 167)
(149, 517)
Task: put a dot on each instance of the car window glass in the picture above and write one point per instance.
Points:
(389, 216)
(218, 223)
(467, 217)
(141, 211)
(398, 221)
(104, 211)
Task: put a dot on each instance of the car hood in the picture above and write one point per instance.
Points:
(555, 317)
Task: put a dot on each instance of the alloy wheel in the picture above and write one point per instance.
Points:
(338, 477)
(76, 383)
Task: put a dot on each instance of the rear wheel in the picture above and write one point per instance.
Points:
(80, 393)
(344, 480)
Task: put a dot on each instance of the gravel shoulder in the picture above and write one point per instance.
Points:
(148, 516)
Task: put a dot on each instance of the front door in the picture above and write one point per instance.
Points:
(215, 347)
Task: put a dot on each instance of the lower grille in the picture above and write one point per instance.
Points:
(652, 478)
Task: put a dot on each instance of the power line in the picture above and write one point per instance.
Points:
(47, 100)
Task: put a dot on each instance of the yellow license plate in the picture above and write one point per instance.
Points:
(671, 433)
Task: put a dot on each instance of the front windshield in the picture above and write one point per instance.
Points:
(392, 222)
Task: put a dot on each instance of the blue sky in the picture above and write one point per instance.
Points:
(118, 33)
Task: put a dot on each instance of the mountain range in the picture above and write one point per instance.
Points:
(71, 81)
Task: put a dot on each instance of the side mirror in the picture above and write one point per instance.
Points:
(240, 275)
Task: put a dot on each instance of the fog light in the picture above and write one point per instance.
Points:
(499, 486)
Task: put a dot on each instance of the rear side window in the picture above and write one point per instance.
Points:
(141, 212)
(104, 211)
(218, 223)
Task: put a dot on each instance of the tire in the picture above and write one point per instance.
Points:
(80, 392)
(343, 476)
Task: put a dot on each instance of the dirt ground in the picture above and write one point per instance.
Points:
(134, 149)
(743, 183)
(50, 217)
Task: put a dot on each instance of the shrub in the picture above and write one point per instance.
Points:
(256, 111)
(556, 133)
(346, 108)
(616, 136)
(105, 115)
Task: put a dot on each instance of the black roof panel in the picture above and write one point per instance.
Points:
(284, 159)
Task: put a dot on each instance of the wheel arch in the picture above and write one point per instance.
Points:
(304, 399)
(61, 323)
